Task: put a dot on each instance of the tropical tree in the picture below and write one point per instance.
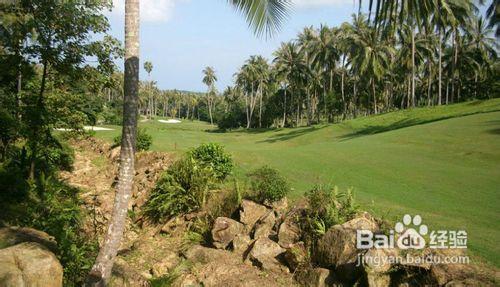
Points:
(209, 79)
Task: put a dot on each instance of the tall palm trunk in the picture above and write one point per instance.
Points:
(101, 271)
(412, 67)
(440, 49)
(284, 110)
(374, 97)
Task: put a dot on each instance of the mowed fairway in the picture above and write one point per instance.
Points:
(442, 163)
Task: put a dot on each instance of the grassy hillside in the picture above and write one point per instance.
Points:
(442, 163)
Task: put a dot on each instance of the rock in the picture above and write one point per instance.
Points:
(265, 254)
(296, 255)
(337, 248)
(265, 225)
(445, 273)
(10, 236)
(166, 264)
(288, 233)
(315, 277)
(289, 230)
(29, 264)
(241, 242)
(251, 212)
(224, 231)
(378, 260)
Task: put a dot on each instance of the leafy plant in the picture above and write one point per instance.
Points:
(328, 206)
(182, 189)
(214, 156)
(143, 140)
(268, 185)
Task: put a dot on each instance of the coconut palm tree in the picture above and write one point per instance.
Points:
(209, 79)
(369, 55)
(264, 16)
(291, 65)
(325, 55)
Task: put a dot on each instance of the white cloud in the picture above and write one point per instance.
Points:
(151, 10)
(320, 3)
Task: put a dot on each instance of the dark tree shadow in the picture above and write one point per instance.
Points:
(375, 129)
(292, 134)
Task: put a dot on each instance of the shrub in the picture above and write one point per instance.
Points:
(328, 206)
(182, 189)
(143, 140)
(213, 155)
(268, 185)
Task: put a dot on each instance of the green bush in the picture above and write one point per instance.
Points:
(142, 143)
(268, 185)
(328, 207)
(213, 155)
(182, 189)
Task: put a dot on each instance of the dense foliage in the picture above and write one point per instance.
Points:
(326, 208)
(212, 155)
(182, 189)
(268, 185)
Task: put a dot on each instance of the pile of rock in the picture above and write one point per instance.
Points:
(268, 237)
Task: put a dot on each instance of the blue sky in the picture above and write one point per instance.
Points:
(181, 37)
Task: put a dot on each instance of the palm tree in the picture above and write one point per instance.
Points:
(305, 41)
(265, 16)
(325, 55)
(209, 79)
(148, 67)
(369, 55)
(290, 64)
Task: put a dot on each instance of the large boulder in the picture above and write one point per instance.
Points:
(264, 226)
(10, 236)
(224, 231)
(251, 212)
(288, 233)
(265, 254)
(29, 264)
(337, 248)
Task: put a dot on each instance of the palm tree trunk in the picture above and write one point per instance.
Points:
(412, 67)
(440, 51)
(284, 111)
(429, 85)
(374, 97)
(101, 271)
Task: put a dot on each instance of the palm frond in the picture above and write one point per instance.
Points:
(263, 16)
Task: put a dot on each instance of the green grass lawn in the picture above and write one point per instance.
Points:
(442, 163)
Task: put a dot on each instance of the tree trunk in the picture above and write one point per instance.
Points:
(101, 271)
(440, 51)
(429, 85)
(374, 97)
(412, 67)
(284, 111)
